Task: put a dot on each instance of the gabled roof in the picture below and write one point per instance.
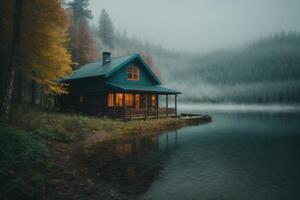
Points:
(127, 87)
(98, 69)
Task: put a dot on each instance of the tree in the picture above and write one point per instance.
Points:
(44, 36)
(82, 44)
(34, 37)
(12, 65)
(80, 11)
(83, 48)
(106, 29)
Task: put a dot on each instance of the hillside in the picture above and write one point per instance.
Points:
(265, 71)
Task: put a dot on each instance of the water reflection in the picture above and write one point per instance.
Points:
(237, 156)
(131, 165)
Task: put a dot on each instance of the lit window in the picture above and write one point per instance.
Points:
(119, 99)
(137, 100)
(133, 73)
(81, 99)
(110, 99)
(153, 100)
(128, 100)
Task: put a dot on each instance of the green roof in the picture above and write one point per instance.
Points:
(98, 69)
(126, 87)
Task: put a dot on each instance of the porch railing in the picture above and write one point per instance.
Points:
(134, 113)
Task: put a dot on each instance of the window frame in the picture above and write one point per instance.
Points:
(119, 100)
(133, 73)
(129, 99)
(110, 100)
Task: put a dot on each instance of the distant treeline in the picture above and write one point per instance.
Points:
(265, 71)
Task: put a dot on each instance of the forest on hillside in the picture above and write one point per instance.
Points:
(265, 71)
(43, 41)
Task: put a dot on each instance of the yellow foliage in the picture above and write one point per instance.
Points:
(44, 56)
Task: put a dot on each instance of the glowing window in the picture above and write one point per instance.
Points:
(110, 99)
(133, 73)
(153, 100)
(119, 99)
(128, 100)
(137, 100)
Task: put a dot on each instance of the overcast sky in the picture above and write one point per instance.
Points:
(200, 25)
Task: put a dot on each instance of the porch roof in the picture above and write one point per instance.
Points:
(139, 88)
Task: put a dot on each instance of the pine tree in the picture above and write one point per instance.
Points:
(84, 48)
(106, 29)
(80, 11)
(82, 44)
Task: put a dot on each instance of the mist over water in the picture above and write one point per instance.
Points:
(238, 108)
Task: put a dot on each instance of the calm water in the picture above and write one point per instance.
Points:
(237, 156)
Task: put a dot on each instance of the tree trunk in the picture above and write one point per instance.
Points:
(13, 60)
(33, 92)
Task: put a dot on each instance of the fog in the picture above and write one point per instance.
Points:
(200, 25)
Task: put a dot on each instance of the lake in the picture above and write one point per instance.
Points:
(240, 155)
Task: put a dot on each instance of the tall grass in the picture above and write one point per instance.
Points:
(70, 127)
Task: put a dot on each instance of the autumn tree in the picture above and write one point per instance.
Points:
(82, 44)
(37, 46)
(106, 29)
(44, 36)
(83, 47)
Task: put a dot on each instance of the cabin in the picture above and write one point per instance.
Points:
(122, 87)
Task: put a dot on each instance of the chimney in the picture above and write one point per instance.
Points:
(106, 56)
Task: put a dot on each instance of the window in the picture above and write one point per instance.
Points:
(81, 99)
(110, 100)
(153, 100)
(119, 99)
(129, 100)
(133, 73)
(137, 100)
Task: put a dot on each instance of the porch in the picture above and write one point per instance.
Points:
(140, 106)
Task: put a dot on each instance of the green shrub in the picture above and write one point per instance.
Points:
(23, 164)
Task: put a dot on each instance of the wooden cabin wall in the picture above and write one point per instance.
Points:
(85, 96)
(120, 76)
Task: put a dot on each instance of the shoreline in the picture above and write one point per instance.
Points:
(63, 134)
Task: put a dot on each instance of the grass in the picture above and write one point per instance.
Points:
(35, 149)
(23, 164)
(70, 127)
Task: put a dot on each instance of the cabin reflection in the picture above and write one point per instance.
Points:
(130, 165)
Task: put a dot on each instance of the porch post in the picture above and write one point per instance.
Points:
(157, 107)
(114, 101)
(167, 105)
(123, 104)
(133, 104)
(176, 105)
(146, 101)
(146, 106)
